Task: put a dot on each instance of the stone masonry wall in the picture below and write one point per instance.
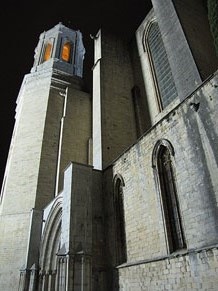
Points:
(195, 271)
(191, 128)
(23, 166)
(194, 20)
(118, 120)
(76, 130)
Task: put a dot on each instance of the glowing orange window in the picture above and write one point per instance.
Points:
(66, 52)
(47, 53)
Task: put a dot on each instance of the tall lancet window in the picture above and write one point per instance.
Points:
(47, 52)
(120, 234)
(167, 187)
(66, 52)
(162, 75)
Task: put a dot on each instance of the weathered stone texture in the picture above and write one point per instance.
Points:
(194, 20)
(184, 69)
(13, 248)
(194, 137)
(116, 106)
(27, 139)
(76, 130)
(32, 163)
(196, 271)
(84, 230)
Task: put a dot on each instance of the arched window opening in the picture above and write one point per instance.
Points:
(66, 52)
(47, 52)
(120, 233)
(162, 75)
(171, 211)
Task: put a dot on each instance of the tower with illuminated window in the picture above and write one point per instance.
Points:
(52, 127)
(145, 215)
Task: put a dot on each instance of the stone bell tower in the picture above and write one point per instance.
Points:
(52, 127)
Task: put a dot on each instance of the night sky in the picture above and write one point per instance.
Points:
(23, 21)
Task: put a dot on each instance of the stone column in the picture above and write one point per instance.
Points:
(33, 278)
(61, 279)
(24, 280)
(45, 282)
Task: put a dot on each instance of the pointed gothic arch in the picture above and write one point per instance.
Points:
(162, 76)
(50, 245)
(119, 217)
(164, 172)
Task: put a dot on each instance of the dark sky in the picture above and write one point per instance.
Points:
(23, 21)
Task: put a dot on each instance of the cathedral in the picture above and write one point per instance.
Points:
(116, 189)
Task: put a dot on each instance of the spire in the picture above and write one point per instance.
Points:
(60, 48)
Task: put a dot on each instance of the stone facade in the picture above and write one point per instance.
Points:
(195, 271)
(143, 215)
(45, 139)
(147, 253)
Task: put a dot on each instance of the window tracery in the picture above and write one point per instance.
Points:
(160, 67)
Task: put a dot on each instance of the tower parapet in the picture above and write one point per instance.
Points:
(60, 48)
